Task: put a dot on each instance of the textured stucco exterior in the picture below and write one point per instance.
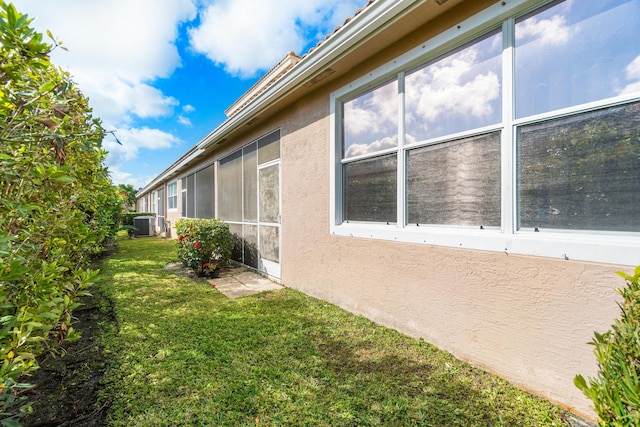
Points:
(525, 318)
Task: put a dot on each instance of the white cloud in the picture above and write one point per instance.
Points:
(115, 49)
(184, 121)
(360, 119)
(630, 88)
(117, 101)
(133, 40)
(371, 121)
(132, 140)
(373, 113)
(443, 88)
(122, 177)
(182, 118)
(379, 145)
(633, 74)
(454, 93)
(119, 49)
(551, 31)
(246, 36)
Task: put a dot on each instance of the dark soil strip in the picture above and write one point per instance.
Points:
(66, 386)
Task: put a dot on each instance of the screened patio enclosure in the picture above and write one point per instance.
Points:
(249, 201)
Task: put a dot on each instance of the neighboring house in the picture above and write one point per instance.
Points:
(462, 171)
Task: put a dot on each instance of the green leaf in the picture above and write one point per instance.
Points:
(10, 422)
(47, 86)
(64, 179)
(580, 382)
(8, 318)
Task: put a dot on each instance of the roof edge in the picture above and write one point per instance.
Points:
(261, 85)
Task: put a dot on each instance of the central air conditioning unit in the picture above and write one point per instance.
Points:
(144, 226)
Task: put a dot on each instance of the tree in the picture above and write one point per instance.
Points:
(128, 194)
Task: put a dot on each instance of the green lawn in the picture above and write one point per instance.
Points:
(183, 354)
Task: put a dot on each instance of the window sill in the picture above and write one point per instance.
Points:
(603, 248)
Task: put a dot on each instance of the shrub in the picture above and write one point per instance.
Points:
(57, 205)
(204, 245)
(615, 391)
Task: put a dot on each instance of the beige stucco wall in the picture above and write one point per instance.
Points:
(527, 319)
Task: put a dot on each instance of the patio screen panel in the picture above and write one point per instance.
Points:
(205, 193)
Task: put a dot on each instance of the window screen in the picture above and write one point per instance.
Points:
(191, 196)
(269, 147)
(160, 223)
(230, 187)
(250, 183)
(270, 193)
(371, 189)
(581, 172)
(205, 193)
(455, 183)
(183, 206)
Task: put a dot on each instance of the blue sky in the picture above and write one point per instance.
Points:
(160, 73)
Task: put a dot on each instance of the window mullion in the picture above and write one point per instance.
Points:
(401, 177)
(508, 155)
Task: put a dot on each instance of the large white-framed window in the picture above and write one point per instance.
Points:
(172, 196)
(516, 131)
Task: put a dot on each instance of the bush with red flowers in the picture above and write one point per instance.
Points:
(204, 245)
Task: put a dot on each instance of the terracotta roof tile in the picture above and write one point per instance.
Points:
(280, 69)
(346, 21)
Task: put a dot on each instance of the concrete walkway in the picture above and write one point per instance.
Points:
(239, 281)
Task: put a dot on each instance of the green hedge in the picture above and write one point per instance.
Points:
(57, 205)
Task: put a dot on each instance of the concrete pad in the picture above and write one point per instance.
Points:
(239, 282)
(234, 282)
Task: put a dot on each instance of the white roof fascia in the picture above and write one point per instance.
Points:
(182, 161)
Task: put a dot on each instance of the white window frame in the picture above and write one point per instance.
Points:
(173, 184)
(143, 203)
(596, 246)
(183, 198)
